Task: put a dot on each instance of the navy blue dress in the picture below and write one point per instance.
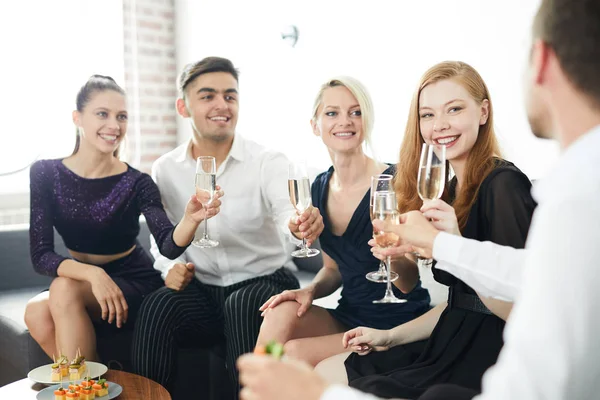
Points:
(353, 256)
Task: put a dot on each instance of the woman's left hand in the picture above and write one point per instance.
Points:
(381, 254)
(197, 213)
(441, 215)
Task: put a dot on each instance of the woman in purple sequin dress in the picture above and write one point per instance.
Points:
(94, 202)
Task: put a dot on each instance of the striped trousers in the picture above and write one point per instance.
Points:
(201, 314)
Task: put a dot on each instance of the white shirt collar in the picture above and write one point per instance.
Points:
(236, 151)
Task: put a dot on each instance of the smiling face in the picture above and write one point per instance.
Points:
(211, 102)
(449, 116)
(339, 120)
(102, 123)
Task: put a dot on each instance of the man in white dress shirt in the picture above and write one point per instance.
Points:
(551, 348)
(213, 294)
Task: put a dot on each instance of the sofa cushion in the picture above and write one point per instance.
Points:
(18, 349)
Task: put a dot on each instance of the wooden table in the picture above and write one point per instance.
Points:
(135, 387)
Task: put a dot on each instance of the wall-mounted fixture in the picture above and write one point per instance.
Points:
(290, 35)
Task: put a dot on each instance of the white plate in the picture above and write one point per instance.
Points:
(114, 389)
(42, 374)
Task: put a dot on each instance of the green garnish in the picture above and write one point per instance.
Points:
(275, 349)
(78, 360)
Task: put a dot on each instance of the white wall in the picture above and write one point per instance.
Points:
(48, 53)
(385, 44)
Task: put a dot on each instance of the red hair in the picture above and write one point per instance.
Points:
(480, 161)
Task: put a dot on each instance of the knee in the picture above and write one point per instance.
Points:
(282, 315)
(65, 293)
(241, 304)
(158, 308)
(294, 349)
(235, 302)
(332, 369)
(39, 321)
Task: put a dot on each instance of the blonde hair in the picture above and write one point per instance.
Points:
(480, 161)
(359, 91)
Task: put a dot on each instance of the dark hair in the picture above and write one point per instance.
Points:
(96, 83)
(572, 30)
(209, 64)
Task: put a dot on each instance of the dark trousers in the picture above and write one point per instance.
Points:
(448, 392)
(202, 315)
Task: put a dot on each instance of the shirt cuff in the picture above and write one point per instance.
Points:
(341, 392)
(446, 247)
(294, 240)
(165, 271)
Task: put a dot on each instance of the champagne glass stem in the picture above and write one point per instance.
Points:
(205, 229)
(382, 268)
(389, 279)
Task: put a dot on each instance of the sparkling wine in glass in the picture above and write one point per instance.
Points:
(385, 208)
(432, 172)
(299, 189)
(380, 183)
(431, 178)
(206, 173)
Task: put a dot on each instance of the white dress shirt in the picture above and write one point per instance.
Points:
(252, 225)
(493, 270)
(552, 337)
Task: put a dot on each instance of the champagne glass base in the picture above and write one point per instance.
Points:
(305, 253)
(381, 277)
(389, 299)
(205, 243)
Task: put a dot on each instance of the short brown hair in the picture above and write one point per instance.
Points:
(209, 64)
(572, 30)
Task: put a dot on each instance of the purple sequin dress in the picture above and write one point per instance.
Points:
(99, 216)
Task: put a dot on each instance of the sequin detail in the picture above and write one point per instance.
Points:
(95, 216)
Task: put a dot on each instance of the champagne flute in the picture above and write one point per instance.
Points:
(206, 173)
(431, 178)
(385, 208)
(380, 183)
(432, 172)
(299, 188)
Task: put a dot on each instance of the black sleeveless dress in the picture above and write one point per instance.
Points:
(464, 343)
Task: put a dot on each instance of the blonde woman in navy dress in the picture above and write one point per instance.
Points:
(342, 118)
(94, 201)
